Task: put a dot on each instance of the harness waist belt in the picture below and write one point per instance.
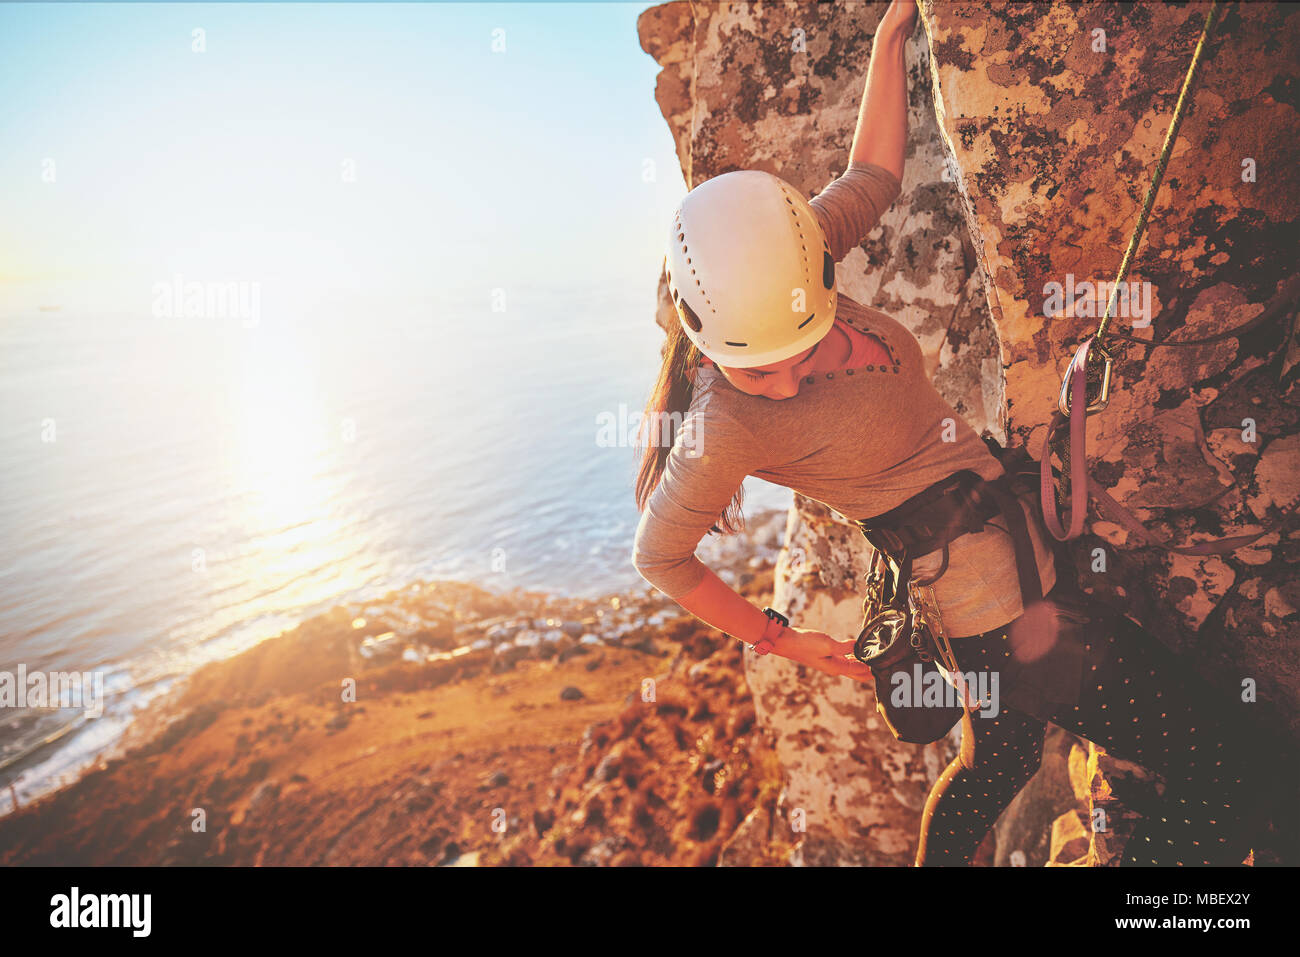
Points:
(954, 506)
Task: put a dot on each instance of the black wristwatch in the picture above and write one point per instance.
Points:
(774, 616)
(769, 632)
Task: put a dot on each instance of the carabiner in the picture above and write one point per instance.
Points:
(1090, 356)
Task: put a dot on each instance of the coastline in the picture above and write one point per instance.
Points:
(488, 728)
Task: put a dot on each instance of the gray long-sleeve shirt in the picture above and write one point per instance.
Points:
(860, 441)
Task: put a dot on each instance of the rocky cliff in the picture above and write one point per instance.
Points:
(1033, 136)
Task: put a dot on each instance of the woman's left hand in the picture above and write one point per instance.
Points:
(817, 650)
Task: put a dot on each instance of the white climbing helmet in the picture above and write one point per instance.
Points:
(749, 270)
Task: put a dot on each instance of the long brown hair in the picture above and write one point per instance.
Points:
(667, 406)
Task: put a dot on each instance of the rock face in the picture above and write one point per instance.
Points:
(1033, 135)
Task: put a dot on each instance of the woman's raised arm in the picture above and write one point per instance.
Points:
(881, 132)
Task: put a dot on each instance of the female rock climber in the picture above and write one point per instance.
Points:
(773, 372)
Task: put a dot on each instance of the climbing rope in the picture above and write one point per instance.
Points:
(1093, 356)
(1184, 99)
(1092, 359)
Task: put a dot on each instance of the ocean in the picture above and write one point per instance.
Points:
(173, 491)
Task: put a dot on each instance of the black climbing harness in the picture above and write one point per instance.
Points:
(903, 630)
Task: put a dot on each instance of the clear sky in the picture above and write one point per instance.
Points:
(129, 157)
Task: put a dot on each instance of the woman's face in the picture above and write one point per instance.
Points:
(780, 380)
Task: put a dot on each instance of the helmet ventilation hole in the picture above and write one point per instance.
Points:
(688, 314)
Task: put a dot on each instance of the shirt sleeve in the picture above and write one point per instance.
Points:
(710, 457)
(851, 206)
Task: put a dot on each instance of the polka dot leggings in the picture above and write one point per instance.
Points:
(1139, 702)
